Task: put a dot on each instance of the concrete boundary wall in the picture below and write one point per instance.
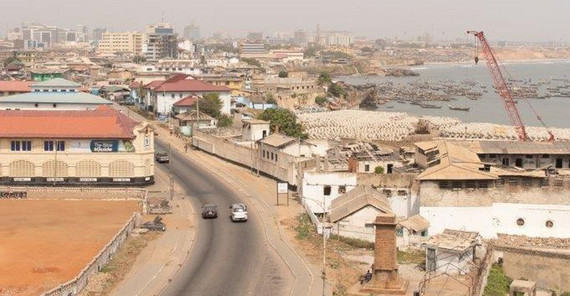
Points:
(547, 268)
(74, 286)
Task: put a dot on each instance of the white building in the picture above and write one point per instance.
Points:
(168, 92)
(325, 187)
(353, 213)
(254, 129)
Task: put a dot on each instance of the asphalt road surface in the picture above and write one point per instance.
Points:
(227, 258)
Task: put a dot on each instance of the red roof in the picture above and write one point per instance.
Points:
(153, 84)
(101, 123)
(188, 101)
(185, 83)
(15, 86)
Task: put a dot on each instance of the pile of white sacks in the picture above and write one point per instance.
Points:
(396, 126)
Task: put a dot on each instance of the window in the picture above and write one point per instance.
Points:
(275, 156)
(15, 146)
(271, 155)
(60, 146)
(520, 221)
(470, 184)
(492, 155)
(526, 182)
(327, 190)
(366, 167)
(443, 184)
(263, 153)
(545, 156)
(528, 156)
(483, 184)
(48, 145)
(342, 189)
(172, 96)
(500, 182)
(20, 145)
(402, 192)
(456, 184)
(549, 224)
(513, 182)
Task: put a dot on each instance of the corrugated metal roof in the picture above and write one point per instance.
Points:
(357, 199)
(509, 147)
(190, 116)
(55, 98)
(453, 240)
(56, 82)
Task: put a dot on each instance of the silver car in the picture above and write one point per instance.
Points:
(238, 212)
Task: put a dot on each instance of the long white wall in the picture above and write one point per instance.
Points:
(501, 218)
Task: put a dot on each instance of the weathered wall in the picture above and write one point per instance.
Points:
(314, 183)
(501, 218)
(549, 270)
(359, 224)
(431, 195)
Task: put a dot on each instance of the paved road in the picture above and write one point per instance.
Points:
(226, 258)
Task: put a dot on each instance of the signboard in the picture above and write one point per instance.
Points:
(104, 146)
(87, 179)
(282, 188)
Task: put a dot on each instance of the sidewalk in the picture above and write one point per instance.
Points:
(162, 258)
(261, 193)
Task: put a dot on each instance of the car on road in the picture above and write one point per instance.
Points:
(238, 212)
(161, 157)
(155, 225)
(209, 211)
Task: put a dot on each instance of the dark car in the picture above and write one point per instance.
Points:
(209, 211)
(155, 225)
(161, 157)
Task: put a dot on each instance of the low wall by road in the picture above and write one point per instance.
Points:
(74, 286)
(76, 193)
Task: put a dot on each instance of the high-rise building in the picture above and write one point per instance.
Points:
(192, 32)
(98, 34)
(121, 42)
(161, 42)
(300, 38)
(254, 36)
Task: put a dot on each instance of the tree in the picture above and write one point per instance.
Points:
(379, 170)
(225, 121)
(270, 99)
(211, 104)
(283, 74)
(285, 120)
(8, 60)
(324, 78)
(139, 59)
(320, 100)
(251, 62)
(336, 90)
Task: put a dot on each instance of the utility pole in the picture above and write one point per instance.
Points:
(55, 163)
(324, 247)
(170, 178)
(197, 114)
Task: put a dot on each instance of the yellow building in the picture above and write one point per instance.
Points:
(87, 147)
(235, 83)
(126, 42)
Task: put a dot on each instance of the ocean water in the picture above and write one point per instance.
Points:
(555, 112)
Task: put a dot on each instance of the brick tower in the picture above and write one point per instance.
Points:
(385, 278)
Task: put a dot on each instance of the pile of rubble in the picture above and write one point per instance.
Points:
(532, 242)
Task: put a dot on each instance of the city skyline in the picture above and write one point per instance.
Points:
(442, 19)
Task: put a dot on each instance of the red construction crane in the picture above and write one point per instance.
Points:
(503, 89)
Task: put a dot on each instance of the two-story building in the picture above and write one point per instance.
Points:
(166, 93)
(79, 147)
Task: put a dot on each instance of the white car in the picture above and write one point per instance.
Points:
(238, 212)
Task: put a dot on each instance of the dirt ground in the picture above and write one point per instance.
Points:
(47, 242)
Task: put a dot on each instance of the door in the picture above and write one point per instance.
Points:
(519, 162)
(431, 260)
(390, 166)
(559, 163)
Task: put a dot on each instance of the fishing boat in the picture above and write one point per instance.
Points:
(458, 108)
(430, 106)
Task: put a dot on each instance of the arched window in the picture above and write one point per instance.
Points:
(53, 169)
(121, 168)
(88, 168)
(22, 168)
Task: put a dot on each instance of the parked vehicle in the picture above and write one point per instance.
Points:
(209, 211)
(161, 157)
(155, 225)
(238, 212)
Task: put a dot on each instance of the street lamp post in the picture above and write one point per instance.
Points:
(323, 206)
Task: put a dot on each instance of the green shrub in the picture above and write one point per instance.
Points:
(497, 282)
(379, 170)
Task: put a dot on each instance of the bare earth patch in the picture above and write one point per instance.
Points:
(47, 242)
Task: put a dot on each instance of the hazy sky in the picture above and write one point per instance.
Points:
(532, 20)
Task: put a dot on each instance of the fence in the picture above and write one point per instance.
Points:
(482, 272)
(74, 286)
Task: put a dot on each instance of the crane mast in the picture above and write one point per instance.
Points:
(501, 87)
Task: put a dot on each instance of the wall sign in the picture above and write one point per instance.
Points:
(104, 146)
